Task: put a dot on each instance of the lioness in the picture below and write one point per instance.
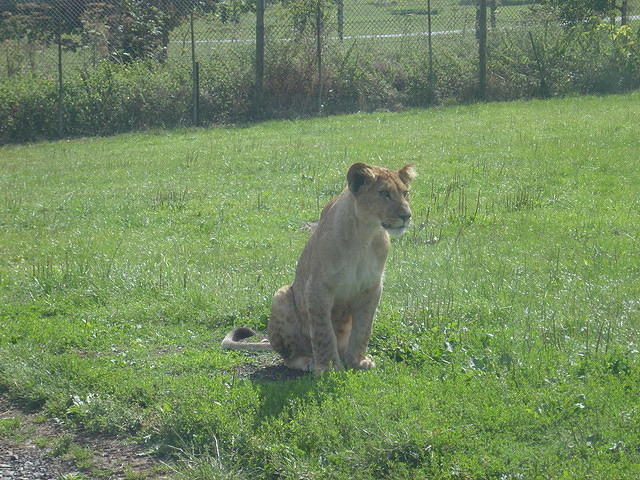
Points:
(323, 320)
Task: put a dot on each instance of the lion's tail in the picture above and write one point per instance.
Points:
(232, 341)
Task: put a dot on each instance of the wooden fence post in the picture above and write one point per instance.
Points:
(195, 78)
(482, 49)
(429, 44)
(60, 87)
(259, 80)
(341, 19)
(319, 52)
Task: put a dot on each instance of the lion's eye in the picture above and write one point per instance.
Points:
(405, 194)
(385, 194)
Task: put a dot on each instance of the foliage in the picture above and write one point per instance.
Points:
(620, 48)
(40, 21)
(124, 31)
(137, 29)
(579, 11)
(552, 59)
(115, 98)
(306, 16)
(27, 109)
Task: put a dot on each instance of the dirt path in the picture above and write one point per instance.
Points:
(33, 448)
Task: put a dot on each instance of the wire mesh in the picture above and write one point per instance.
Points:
(319, 55)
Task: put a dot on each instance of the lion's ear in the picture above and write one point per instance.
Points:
(358, 175)
(407, 173)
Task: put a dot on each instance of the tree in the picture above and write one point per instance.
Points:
(574, 12)
(41, 21)
(141, 28)
(128, 29)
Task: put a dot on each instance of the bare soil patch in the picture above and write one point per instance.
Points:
(267, 368)
(28, 451)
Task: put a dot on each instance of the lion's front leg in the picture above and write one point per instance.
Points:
(362, 320)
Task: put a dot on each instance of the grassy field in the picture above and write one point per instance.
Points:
(506, 339)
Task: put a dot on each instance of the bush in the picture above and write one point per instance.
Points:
(557, 60)
(290, 79)
(113, 98)
(363, 77)
(605, 59)
(363, 80)
(225, 90)
(28, 109)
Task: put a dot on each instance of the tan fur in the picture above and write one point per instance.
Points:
(323, 320)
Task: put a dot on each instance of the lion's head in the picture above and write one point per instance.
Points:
(382, 195)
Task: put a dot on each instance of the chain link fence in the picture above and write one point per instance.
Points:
(113, 65)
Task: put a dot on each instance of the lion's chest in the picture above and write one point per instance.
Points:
(360, 272)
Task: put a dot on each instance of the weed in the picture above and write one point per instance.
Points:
(74, 476)
(10, 427)
(62, 445)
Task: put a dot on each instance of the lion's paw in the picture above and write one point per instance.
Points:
(335, 366)
(365, 364)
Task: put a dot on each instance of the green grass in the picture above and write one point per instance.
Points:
(11, 428)
(506, 339)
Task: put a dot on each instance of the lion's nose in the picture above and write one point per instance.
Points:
(405, 218)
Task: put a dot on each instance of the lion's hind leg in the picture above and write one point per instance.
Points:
(286, 332)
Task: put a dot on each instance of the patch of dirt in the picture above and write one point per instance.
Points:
(26, 452)
(27, 462)
(267, 368)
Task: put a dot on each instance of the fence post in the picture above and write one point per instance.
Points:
(195, 78)
(624, 12)
(482, 49)
(494, 8)
(196, 94)
(259, 81)
(60, 86)
(319, 52)
(429, 45)
(341, 19)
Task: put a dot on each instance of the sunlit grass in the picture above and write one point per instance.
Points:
(507, 336)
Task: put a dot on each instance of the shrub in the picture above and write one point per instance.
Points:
(225, 90)
(28, 109)
(113, 98)
(290, 78)
(363, 79)
(605, 59)
(545, 58)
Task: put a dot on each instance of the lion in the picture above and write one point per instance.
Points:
(323, 320)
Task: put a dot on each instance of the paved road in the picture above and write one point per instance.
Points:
(369, 36)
